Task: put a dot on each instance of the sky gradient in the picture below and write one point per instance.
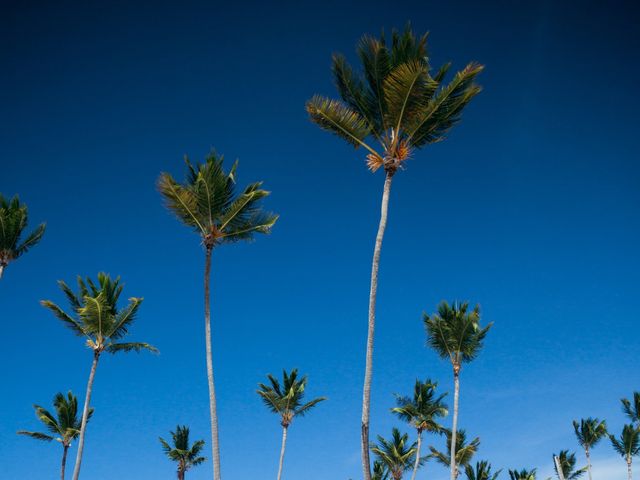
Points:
(529, 208)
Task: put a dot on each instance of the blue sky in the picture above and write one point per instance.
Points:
(529, 208)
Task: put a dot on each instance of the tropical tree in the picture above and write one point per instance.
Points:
(208, 203)
(97, 317)
(13, 221)
(380, 472)
(397, 455)
(522, 474)
(482, 471)
(397, 103)
(286, 401)
(422, 411)
(63, 427)
(567, 463)
(454, 332)
(464, 451)
(631, 408)
(589, 432)
(180, 452)
(628, 445)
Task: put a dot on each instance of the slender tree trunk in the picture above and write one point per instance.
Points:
(559, 471)
(454, 429)
(368, 371)
(1, 270)
(284, 444)
(64, 460)
(588, 455)
(180, 473)
(629, 475)
(85, 416)
(416, 464)
(215, 447)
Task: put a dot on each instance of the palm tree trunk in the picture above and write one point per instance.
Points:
(629, 475)
(368, 371)
(64, 461)
(85, 416)
(284, 444)
(215, 447)
(454, 429)
(1, 270)
(588, 455)
(180, 473)
(416, 464)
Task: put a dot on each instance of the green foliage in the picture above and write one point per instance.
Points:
(631, 408)
(590, 431)
(396, 454)
(464, 451)
(380, 472)
(568, 465)
(482, 471)
(423, 409)
(186, 456)
(522, 474)
(13, 220)
(628, 445)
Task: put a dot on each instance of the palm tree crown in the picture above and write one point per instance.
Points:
(482, 471)
(186, 456)
(628, 445)
(590, 431)
(397, 454)
(422, 409)
(631, 408)
(522, 474)
(567, 463)
(464, 452)
(13, 221)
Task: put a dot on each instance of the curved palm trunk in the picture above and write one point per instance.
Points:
(588, 455)
(85, 416)
(64, 461)
(215, 447)
(454, 429)
(368, 371)
(416, 464)
(284, 443)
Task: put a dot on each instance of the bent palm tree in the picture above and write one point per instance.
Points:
(522, 474)
(632, 408)
(186, 456)
(207, 203)
(422, 411)
(13, 221)
(401, 105)
(482, 471)
(628, 445)
(64, 427)
(97, 317)
(286, 401)
(567, 463)
(454, 332)
(397, 455)
(589, 432)
(463, 452)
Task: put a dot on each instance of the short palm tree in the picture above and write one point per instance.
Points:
(186, 456)
(589, 432)
(422, 411)
(13, 221)
(631, 408)
(482, 471)
(464, 451)
(286, 400)
(401, 105)
(207, 203)
(454, 333)
(380, 472)
(628, 445)
(97, 317)
(397, 455)
(522, 474)
(64, 427)
(567, 463)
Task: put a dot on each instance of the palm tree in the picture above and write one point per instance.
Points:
(64, 427)
(454, 333)
(397, 455)
(463, 452)
(398, 103)
(421, 411)
(207, 203)
(97, 317)
(628, 445)
(589, 432)
(380, 472)
(567, 463)
(286, 401)
(13, 220)
(522, 474)
(482, 471)
(186, 456)
(632, 408)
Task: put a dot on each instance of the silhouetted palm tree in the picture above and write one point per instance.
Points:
(628, 445)
(482, 471)
(522, 474)
(208, 203)
(13, 221)
(286, 401)
(397, 455)
(589, 432)
(64, 427)
(398, 103)
(97, 318)
(186, 456)
(454, 333)
(567, 462)
(631, 408)
(463, 452)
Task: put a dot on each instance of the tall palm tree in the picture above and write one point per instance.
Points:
(631, 408)
(482, 471)
(464, 451)
(64, 427)
(96, 316)
(286, 401)
(422, 411)
(397, 455)
(567, 463)
(380, 472)
(522, 474)
(628, 445)
(397, 102)
(13, 221)
(186, 456)
(454, 332)
(589, 432)
(208, 203)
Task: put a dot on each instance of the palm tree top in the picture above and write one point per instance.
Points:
(208, 203)
(482, 471)
(286, 399)
(464, 451)
(187, 456)
(422, 409)
(522, 474)
(395, 99)
(631, 408)
(96, 315)
(589, 431)
(397, 454)
(568, 464)
(14, 217)
(628, 445)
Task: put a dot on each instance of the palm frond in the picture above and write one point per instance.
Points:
(131, 347)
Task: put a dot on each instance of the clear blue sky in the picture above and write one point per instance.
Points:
(529, 208)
